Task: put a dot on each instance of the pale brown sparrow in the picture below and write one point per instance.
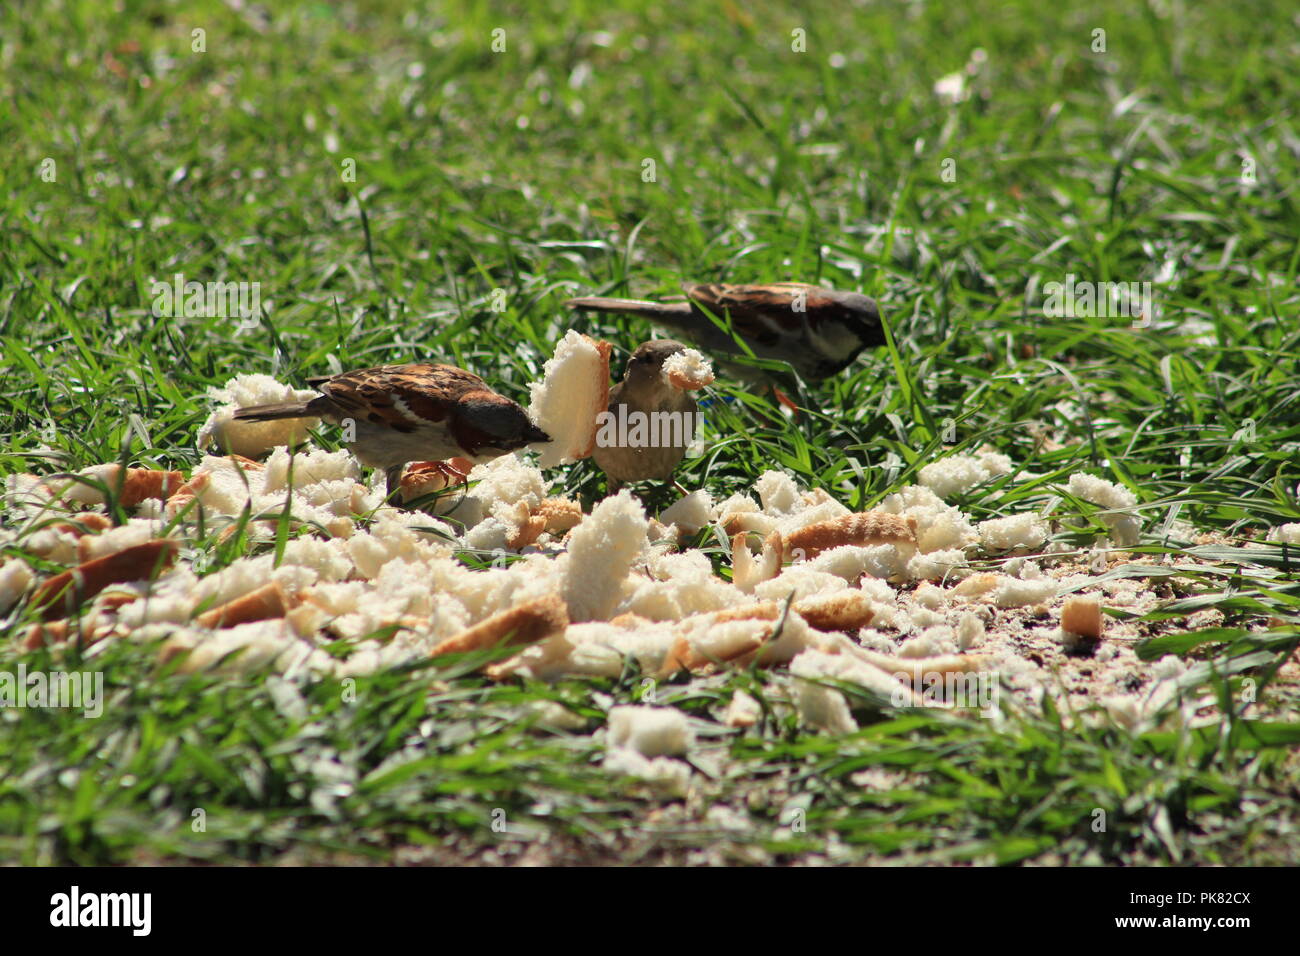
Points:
(651, 422)
(419, 412)
(818, 331)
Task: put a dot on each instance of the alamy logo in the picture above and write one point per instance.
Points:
(977, 690)
(1075, 299)
(208, 300)
(103, 909)
(55, 689)
(646, 429)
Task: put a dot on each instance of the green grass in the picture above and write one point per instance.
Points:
(522, 171)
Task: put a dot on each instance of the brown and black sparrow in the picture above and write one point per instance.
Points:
(639, 441)
(419, 412)
(818, 331)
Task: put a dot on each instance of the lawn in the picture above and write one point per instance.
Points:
(431, 181)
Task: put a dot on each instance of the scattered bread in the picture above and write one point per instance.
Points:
(1082, 616)
(560, 514)
(573, 391)
(602, 551)
(64, 593)
(266, 602)
(249, 439)
(848, 610)
(684, 655)
(913, 669)
(141, 484)
(88, 522)
(526, 533)
(531, 622)
(859, 530)
(688, 370)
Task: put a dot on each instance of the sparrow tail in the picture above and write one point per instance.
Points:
(653, 310)
(268, 413)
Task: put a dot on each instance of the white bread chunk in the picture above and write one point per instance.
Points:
(691, 512)
(958, 474)
(252, 439)
(1125, 528)
(601, 552)
(573, 391)
(687, 370)
(650, 731)
(1025, 531)
(15, 575)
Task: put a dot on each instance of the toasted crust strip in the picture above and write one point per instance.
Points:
(531, 622)
(602, 402)
(686, 383)
(864, 528)
(89, 522)
(1082, 616)
(763, 611)
(141, 484)
(847, 610)
(976, 585)
(560, 514)
(111, 602)
(59, 632)
(247, 464)
(683, 656)
(187, 492)
(266, 602)
(66, 592)
(630, 620)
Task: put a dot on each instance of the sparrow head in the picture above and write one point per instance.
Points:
(646, 365)
(858, 312)
(486, 424)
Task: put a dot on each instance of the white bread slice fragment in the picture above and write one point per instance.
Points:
(573, 391)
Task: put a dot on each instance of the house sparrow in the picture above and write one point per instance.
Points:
(818, 331)
(638, 441)
(404, 413)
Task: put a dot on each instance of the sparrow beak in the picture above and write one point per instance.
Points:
(533, 434)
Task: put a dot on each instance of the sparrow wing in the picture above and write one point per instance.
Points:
(818, 330)
(763, 315)
(402, 397)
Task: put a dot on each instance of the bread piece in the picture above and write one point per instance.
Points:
(573, 391)
(66, 592)
(144, 483)
(859, 530)
(1082, 616)
(688, 370)
(559, 514)
(531, 622)
(266, 602)
(427, 477)
(848, 610)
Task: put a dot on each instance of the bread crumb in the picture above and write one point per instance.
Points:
(687, 370)
(649, 731)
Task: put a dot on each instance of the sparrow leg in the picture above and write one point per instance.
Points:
(785, 400)
(393, 480)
